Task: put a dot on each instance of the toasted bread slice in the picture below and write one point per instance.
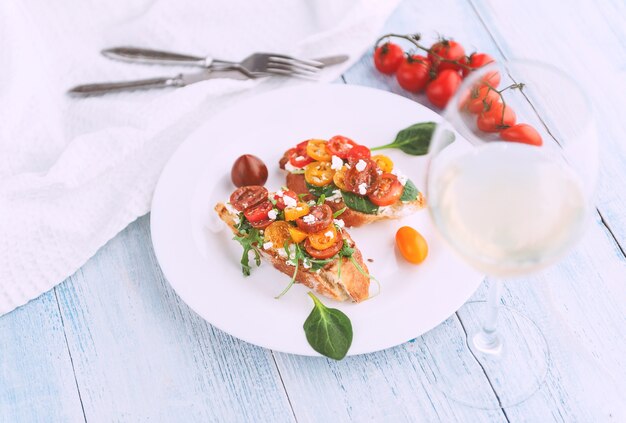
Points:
(352, 286)
(296, 182)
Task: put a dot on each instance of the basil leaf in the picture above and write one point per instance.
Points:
(358, 203)
(410, 191)
(328, 330)
(317, 192)
(415, 139)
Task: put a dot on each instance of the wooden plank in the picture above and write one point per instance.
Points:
(141, 354)
(36, 378)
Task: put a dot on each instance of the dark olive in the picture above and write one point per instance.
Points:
(248, 170)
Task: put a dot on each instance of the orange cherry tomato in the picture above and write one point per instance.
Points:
(496, 118)
(297, 235)
(316, 149)
(522, 132)
(339, 178)
(277, 233)
(384, 163)
(319, 174)
(292, 213)
(411, 244)
(324, 239)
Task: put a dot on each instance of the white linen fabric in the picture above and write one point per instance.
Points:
(74, 172)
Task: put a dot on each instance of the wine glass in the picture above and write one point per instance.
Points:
(509, 208)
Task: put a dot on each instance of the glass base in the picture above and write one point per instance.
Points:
(489, 372)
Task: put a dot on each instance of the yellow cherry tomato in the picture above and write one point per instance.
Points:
(316, 149)
(300, 209)
(339, 178)
(324, 239)
(411, 244)
(384, 163)
(297, 235)
(318, 173)
(277, 233)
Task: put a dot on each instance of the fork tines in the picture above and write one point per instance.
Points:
(286, 65)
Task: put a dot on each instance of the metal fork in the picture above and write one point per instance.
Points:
(254, 66)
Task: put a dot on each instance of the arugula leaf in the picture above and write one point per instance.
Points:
(415, 139)
(297, 255)
(358, 203)
(319, 191)
(410, 191)
(250, 240)
(339, 212)
(328, 330)
(321, 200)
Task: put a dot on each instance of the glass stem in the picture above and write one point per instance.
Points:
(487, 340)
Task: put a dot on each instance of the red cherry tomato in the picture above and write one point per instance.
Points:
(328, 252)
(387, 190)
(280, 200)
(478, 60)
(496, 118)
(340, 146)
(443, 87)
(258, 212)
(247, 196)
(448, 50)
(480, 99)
(298, 156)
(523, 133)
(359, 152)
(414, 73)
(388, 57)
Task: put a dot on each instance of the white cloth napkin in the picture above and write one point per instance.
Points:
(73, 173)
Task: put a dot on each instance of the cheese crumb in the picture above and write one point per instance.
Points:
(231, 209)
(336, 195)
(272, 214)
(328, 234)
(401, 177)
(363, 188)
(282, 253)
(306, 263)
(289, 201)
(236, 220)
(280, 193)
(291, 168)
(361, 165)
(340, 223)
(337, 163)
(268, 245)
(309, 218)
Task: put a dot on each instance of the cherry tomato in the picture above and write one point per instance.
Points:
(383, 162)
(261, 224)
(319, 217)
(414, 73)
(247, 196)
(354, 178)
(258, 212)
(496, 118)
(248, 170)
(448, 50)
(277, 233)
(388, 57)
(523, 133)
(387, 191)
(324, 239)
(280, 199)
(292, 213)
(316, 149)
(339, 178)
(480, 99)
(411, 244)
(324, 254)
(442, 88)
(297, 235)
(478, 60)
(340, 146)
(298, 156)
(319, 174)
(359, 152)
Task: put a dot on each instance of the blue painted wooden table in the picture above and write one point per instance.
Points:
(114, 343)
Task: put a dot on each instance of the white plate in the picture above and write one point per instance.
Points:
(201, 262)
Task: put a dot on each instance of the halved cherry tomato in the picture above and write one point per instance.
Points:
(318, 218)
(478, 60)
(262, 224)
(496, 118)
(297, 235)
(316, 149)
(298, 156)
(388, 57)
(359, 152)
(383, 162)
(411, 244)
(258, 212)
(339, 178)
(278, 233)
(480, 99)
(280, 199)
(447, 50)
(355, 179)
(292, 213)
(319, 174)
(414, 73)
(442, 88)
(522, 132)
(248, 196)
(324, 254)
(340, 146)
(387, 190)
(324, 239)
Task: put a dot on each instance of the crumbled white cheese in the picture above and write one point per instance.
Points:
(363, 188)
(340, 223)
(290, 263)
(311, 203)
(336, 195)
(291, 168)
(385, 210)
(306, 263)
(337, 163)
(292, 252)
(361, 165)
(328, 234)
(300, 158)
(267, 245)
(289, 201)
(231, 209)
(280, 193)
(282, 253)
(348, 146)
(236, 220)
(272, 214)
(309, 218)
(401, 177)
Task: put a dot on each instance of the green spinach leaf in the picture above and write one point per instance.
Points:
(358, 203)
(317, 192)
(328, 330)
(410, 192)
(415, 139)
